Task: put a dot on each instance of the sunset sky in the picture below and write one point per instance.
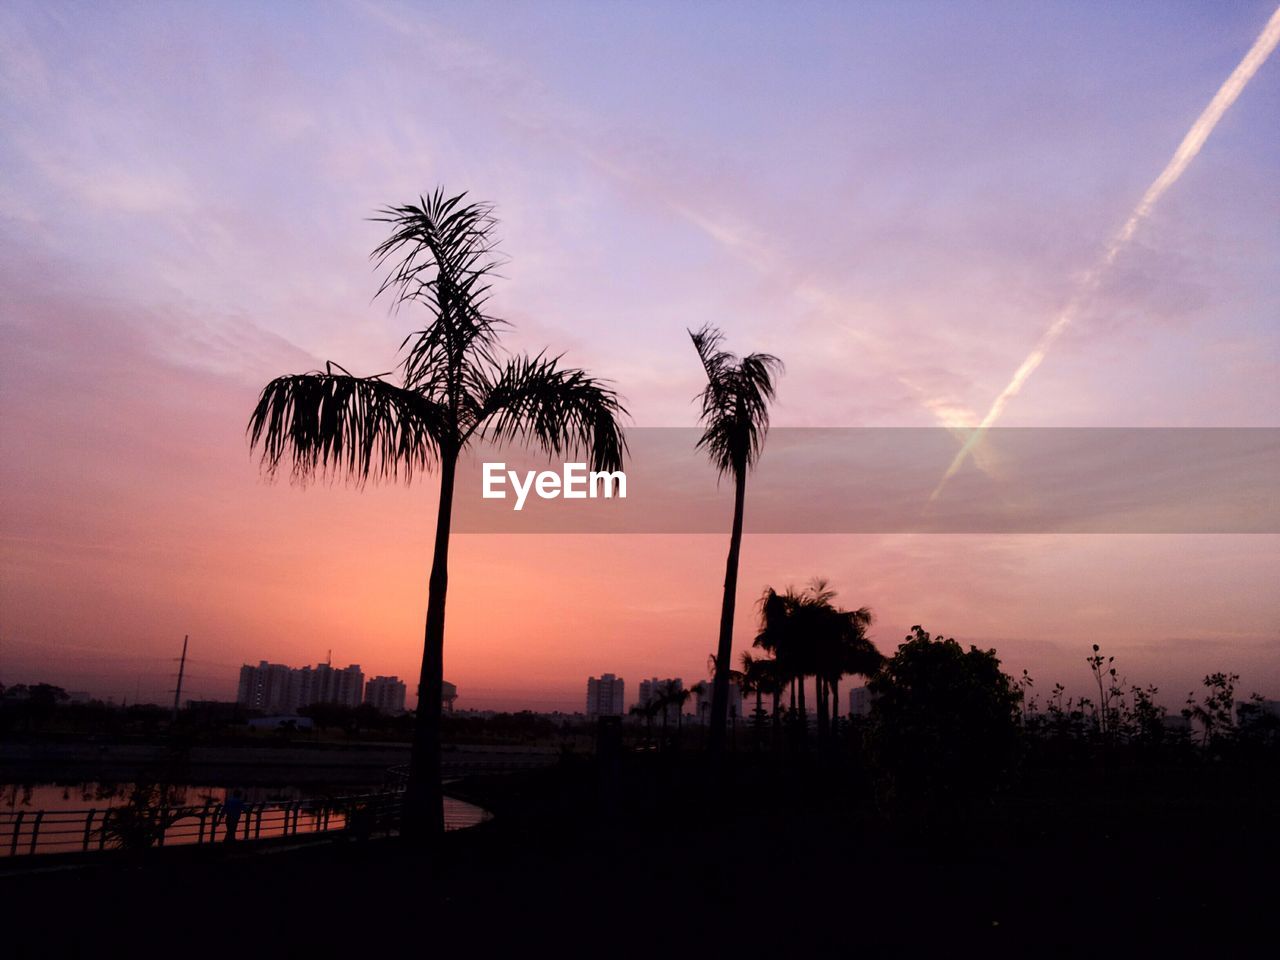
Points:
(896, 199)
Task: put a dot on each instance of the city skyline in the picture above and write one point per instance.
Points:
(900, 234)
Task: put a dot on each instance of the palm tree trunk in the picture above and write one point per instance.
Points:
(820, 696)
(423, 819)
(835, 707)
(724, 649)
(802, 717)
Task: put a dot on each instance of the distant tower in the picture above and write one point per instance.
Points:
(859, 702)
(604, 696)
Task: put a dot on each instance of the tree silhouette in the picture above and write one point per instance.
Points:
(678, 697)
(455, 386)
(780, 637)
(735, 419)
(945, 724)
(809, 635)
(760, 676)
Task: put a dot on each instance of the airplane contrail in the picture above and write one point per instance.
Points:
(1182, 157)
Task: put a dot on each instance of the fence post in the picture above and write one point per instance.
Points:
(102, 830)
(257, 826)
(88, 828)
(35, 831)
(204, 812)
(17, 829)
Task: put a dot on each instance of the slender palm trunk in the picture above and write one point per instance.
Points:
(802, 716)
(724, 649)
(835, 707)
(424, 800)
(820, 697)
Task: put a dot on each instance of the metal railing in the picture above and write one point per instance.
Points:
(29, 832)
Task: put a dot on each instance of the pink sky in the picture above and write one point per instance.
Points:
(895, 199)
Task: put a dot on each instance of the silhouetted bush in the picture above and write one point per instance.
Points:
(944, 727)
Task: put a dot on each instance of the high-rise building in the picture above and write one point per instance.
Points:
(860, 701)
(385, 694)
(268, 687)
(276, 688)
(604, 696)
(704, 691)
(323, 684)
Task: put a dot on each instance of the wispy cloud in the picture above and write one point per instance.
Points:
(1177, 165)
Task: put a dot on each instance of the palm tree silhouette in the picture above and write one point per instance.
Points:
(678, 697)
(808, 635)
(648, 710)
(850, 653)
(781, 637)
(455, 386)
(735, 419)
(762, 676)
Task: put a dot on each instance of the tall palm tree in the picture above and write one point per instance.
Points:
(735, 420)
(454, 386)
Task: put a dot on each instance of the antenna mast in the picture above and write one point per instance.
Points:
(182, 666)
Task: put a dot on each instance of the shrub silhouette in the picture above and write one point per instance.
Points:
(944, 726)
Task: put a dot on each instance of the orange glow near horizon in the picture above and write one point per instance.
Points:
(893, 208)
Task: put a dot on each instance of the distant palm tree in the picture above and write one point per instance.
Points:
(780, 635)
(853, 654)
(455, 386)
(735, 419)
(677, 697)
(700, 689)
(648, 710)
(757, 678)
(753, 677)
(809, 635)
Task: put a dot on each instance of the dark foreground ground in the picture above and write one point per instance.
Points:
(656, 862)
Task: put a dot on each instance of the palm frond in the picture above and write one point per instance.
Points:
(441, 252)
(327, 423)
(735, 402)
(561, 411)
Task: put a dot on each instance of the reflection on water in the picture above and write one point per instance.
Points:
(102, 794)
(53, 817)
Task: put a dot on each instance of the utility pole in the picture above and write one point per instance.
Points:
(182, 666)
